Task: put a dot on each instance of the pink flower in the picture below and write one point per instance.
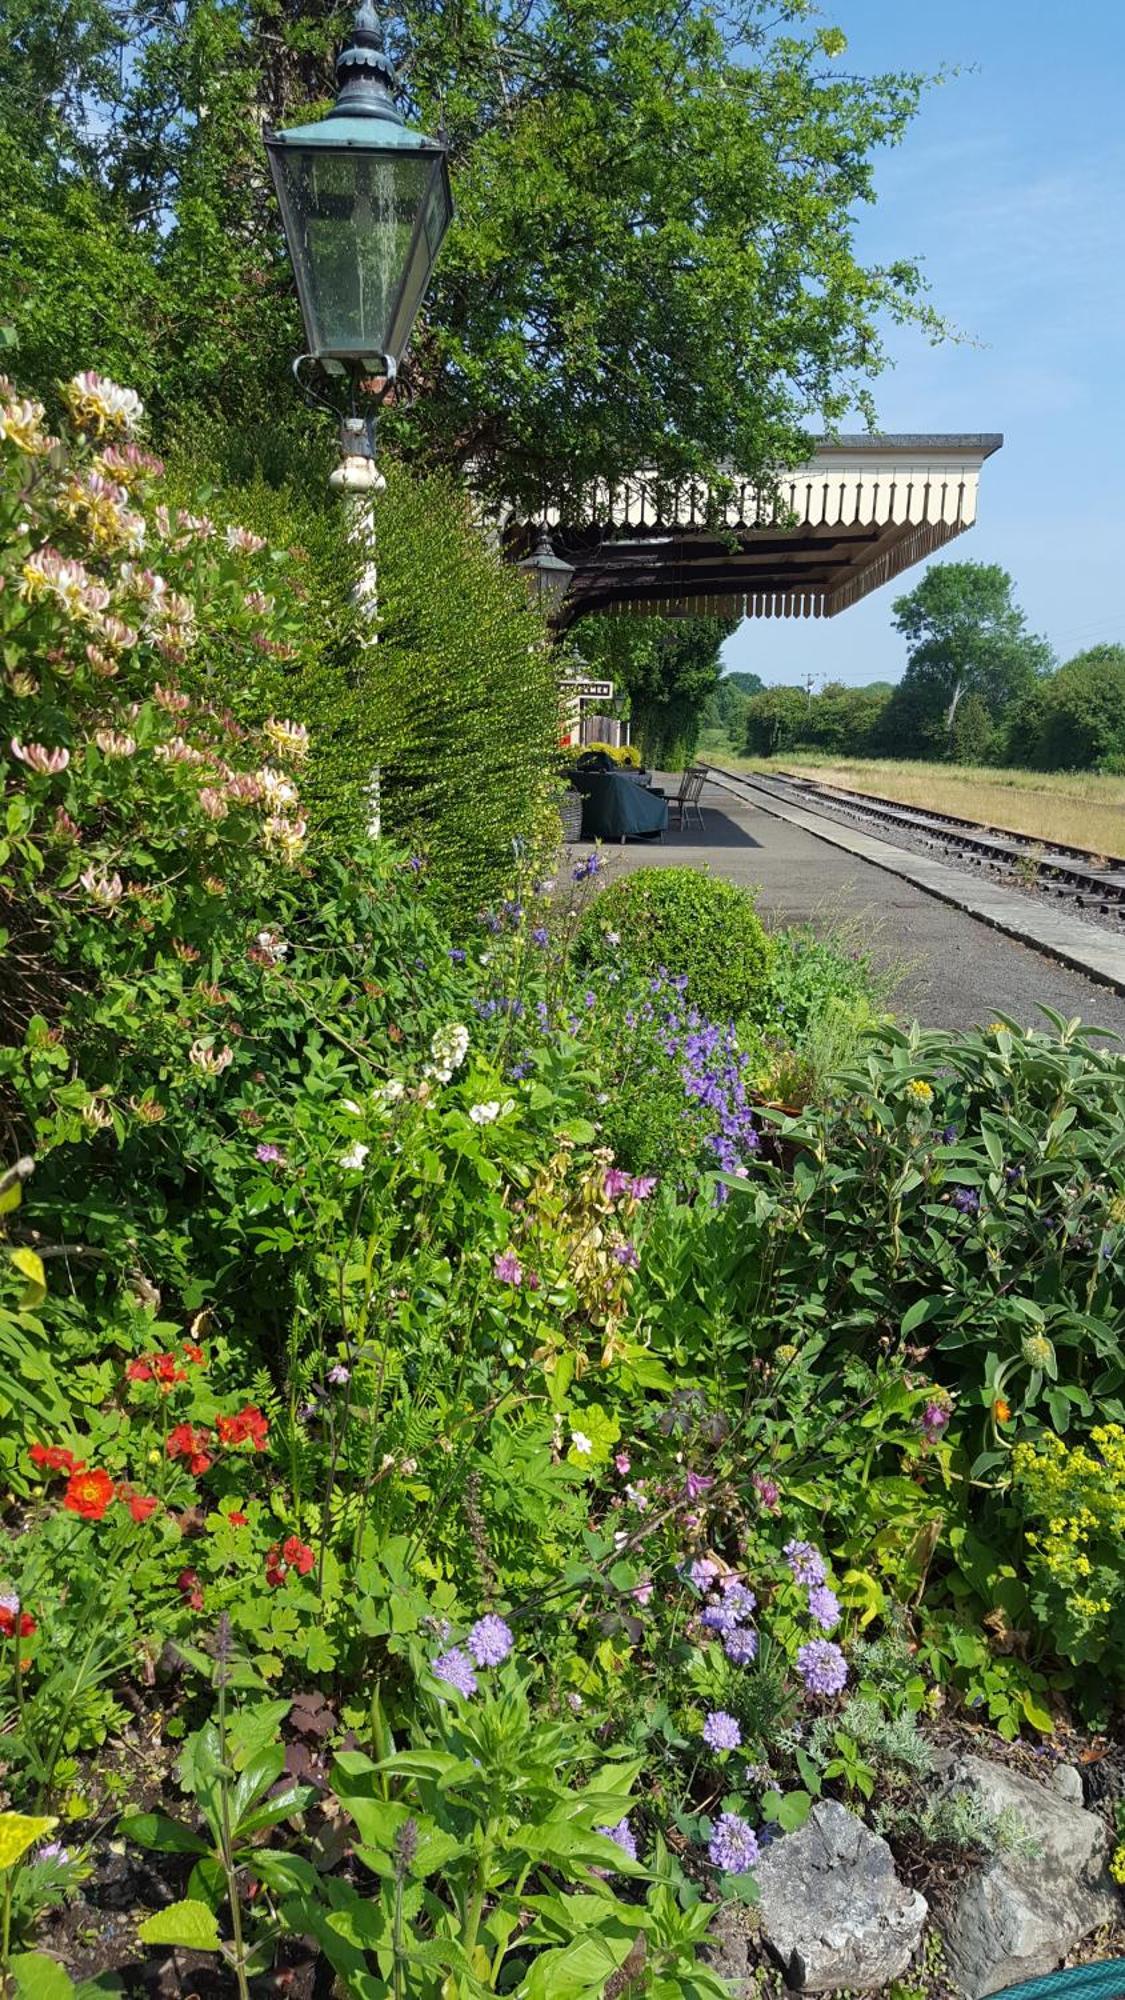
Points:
(213, 803)
(642, 1187)
(694, 1484)
(621, 1461)
(616, 1183)
(507, 1268)
(37, 757)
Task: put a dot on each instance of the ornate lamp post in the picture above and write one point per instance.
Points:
(548, 577)
(365, 202)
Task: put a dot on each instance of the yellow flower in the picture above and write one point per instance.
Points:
(919, 1090)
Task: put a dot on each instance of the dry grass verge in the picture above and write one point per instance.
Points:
(1078, 808)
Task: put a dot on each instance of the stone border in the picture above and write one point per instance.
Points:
(1074, 944)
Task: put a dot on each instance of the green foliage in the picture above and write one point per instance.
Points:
(668, 669)
(562, 336)
(461, 693)
(774, 721)
(679, 920)
(965, 636)
(1072, 721)
(1071, 1500)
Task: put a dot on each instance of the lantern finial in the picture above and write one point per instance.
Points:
(365, 74)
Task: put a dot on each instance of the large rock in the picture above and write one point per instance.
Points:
(1014, 1918)
(832, 1910)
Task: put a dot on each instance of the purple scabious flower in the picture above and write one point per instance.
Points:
(703, 1572)
(507, 1267)
(270, 1156)
(622, 1836)
(822, 1667)
(338, 1375)
(741, 1645)
(456, 1669)
(824, 1607)
(721, 1731)
(966, 1200)
(733, 1846)
(490, 1640)
(806, 1563)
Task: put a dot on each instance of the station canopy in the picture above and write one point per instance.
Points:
(859, 513)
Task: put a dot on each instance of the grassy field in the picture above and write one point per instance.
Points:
(1077, 808)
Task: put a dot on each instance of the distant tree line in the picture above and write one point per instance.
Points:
(978, 688)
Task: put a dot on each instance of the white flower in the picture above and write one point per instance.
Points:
(97, 402)
(349, 1104)
(613, 937)
(484, 1114)
(105, 890)
(355, 1155)
(272, 946)
(210, 1060)
(391, 1092)
(580, 1443)
(448, 1048)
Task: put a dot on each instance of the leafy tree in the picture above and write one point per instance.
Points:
(653, 260)
(725, 711)
(965, 636)
(668, 668)
(774, 720)
(973, 738)
(1074, 721)
(844, 720)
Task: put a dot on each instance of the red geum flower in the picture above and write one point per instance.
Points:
(298, 1555)
(248, 1427)
(140, 1506)
(199, 1463)
(16, 1621)
(89, 1494)
(238, 1520)
(187, 1583)
(185, 1441)
(55, 1458)
(194, 1354)
(275, 1568)
(138, 1371)
(167, 1370)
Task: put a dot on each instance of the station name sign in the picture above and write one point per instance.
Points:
(588, 690)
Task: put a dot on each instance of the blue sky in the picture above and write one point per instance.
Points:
(1010, 187)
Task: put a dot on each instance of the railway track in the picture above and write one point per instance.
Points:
(1075, 876)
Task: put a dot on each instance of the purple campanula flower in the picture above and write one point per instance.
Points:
(935, 1417)
(721, 1731)
(741, 1645)
(966, 1200)
(457, 956)
(949, 1135)
(733, 1846)
(824, 1607)
(806, 1563)
(456, 1669)
(507, 1267)
(622, 1836)
(416, 864)
(541, 936)
(627, 1256)
(490, 1640)
(822, 1667)
(590, 998)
